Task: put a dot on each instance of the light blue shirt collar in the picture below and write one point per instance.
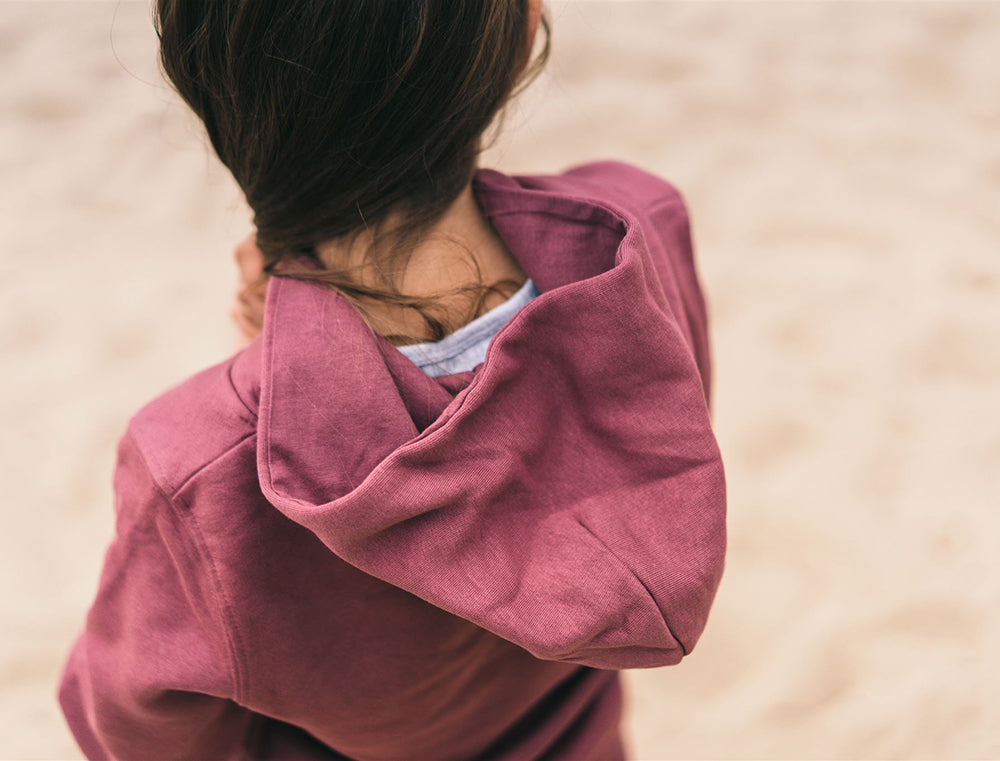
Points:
(466, 347)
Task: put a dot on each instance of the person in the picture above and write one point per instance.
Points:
(461, 473)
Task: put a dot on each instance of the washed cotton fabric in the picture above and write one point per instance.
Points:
(321, 552)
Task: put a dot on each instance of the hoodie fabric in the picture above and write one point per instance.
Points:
(322, 552)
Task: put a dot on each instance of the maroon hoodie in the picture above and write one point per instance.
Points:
(321, 552)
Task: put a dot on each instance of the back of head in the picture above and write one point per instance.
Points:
(331, 114)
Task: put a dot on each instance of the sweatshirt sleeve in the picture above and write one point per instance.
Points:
(149, 677)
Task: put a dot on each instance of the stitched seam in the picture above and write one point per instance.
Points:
(267, 361)
(200, 468)
(237, 651)
(235, 662)
(229, 377)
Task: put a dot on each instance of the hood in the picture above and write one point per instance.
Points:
(567, 495)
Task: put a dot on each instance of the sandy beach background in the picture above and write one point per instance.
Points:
(842, 166)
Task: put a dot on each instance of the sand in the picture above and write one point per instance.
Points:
(842, 166)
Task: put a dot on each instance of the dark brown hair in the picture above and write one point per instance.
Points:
(335, 116)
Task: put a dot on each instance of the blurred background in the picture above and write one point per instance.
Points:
(841, 161)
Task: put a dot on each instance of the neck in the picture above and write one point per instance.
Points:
(439, 263)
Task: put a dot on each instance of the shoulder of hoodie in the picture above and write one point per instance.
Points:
(196, 422)
(656, 205)
(634, 190)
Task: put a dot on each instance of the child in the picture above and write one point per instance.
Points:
(419, 516)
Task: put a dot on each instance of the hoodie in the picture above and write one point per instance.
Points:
(321, 552)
